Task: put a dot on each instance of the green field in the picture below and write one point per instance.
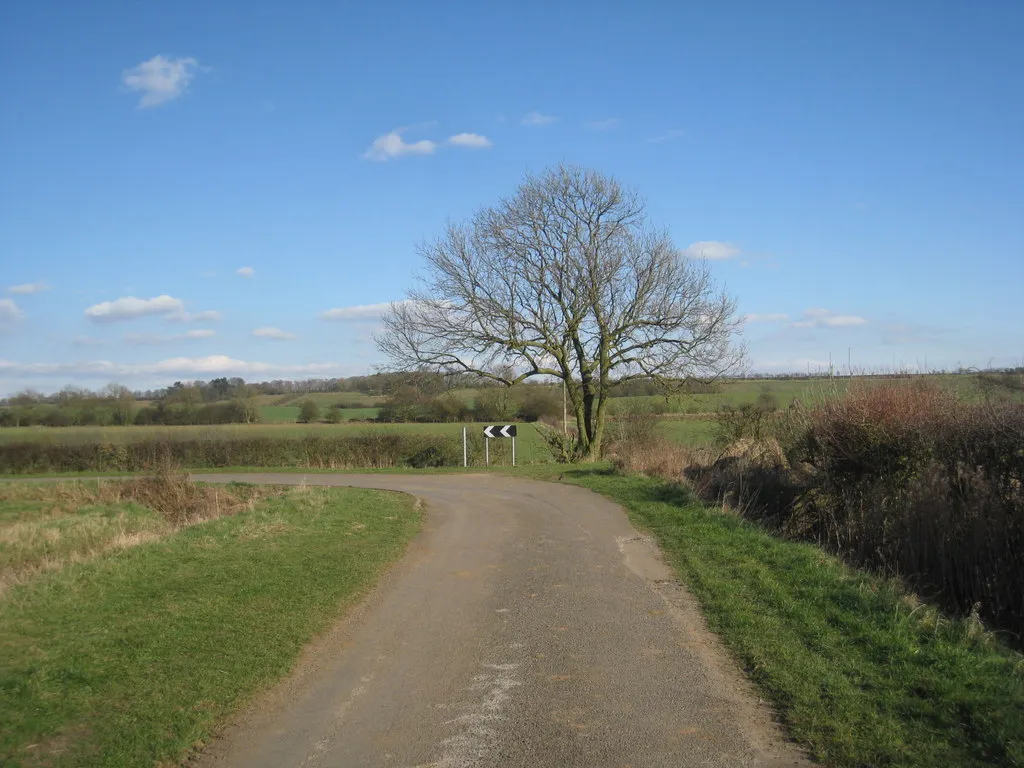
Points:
(128, 638)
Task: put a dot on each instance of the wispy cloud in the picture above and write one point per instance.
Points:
(712, 250)
(9, 313)
(129, 307)
(28, 288)
(825, 318)
(89, 341)
(206, 316)
(245, 271)
(160, 79)
(603, 125)
(362, 312)
(669, 135)
(176, 366)
(470, 141)
(392, 145)
(152, 339)
(277, 334)
(775, 317)
(537, 118)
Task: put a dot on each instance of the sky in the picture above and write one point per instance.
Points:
(196, 189)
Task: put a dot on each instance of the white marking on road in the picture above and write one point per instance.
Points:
(469, 747)
(320, 748)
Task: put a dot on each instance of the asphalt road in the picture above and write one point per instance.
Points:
(528, 625)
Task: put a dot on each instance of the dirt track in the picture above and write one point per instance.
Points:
(528, 625)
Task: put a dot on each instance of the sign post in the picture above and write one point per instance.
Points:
(465, 451)
(499, 430)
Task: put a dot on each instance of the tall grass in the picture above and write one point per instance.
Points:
(904, 478)
(46, 527)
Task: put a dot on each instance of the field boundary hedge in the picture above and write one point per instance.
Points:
(368, 450)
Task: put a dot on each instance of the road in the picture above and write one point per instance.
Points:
(527, 625)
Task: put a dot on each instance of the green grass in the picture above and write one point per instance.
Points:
(691, 432)
(861, 673)
(277, 414)
(132, 658)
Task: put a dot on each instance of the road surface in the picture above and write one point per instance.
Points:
(527, 625)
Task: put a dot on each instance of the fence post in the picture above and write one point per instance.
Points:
(465, 452)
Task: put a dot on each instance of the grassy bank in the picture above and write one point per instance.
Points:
(862, 674)
(128, 636)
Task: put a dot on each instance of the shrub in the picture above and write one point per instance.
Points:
(900, 477)
(333, 415)
(309, 412)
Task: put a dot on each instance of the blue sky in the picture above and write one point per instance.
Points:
(857, 168)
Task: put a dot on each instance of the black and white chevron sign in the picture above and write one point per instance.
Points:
(498, 430)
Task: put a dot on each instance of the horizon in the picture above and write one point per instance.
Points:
(195, 192)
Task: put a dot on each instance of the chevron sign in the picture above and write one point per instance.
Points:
(507, 430)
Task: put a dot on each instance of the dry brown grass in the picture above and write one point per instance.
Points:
(47, 527)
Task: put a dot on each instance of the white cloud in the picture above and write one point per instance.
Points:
(9, 313)
(669, 135)
(89, 341)
(245, 271)
(712, 250)
(392, 145)
(178, 366)
(27, 288)
(206, 316)
(775, 317)
(363, 312)
(603, 125)
(150, 339)
(129, 307)
(470, 141)
(160, 79)
(273, 333)
(826, 318)
(536, 118)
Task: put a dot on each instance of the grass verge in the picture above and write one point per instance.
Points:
(862, 673)
(132, 657)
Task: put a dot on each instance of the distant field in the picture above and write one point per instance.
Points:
(322, 399)
(283, 414)
(691, 432)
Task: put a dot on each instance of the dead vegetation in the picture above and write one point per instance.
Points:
(46, 527)
(902, 478)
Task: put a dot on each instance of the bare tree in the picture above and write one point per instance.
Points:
(123, 401)
(565, 279)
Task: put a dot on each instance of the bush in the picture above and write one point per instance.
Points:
(333, 415)
(309, 412)
(536, 403)
(902, 478)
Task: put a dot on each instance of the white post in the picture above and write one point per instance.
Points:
(513, 450)
(487, 451)
(465, 452)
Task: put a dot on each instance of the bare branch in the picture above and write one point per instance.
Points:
(564, 279)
